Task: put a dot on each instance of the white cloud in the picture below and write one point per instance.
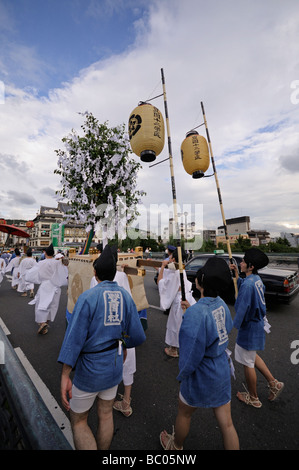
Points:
(239, 58)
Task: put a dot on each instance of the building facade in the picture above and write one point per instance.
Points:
(49, 227)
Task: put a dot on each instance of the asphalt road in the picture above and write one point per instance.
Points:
(154, 397)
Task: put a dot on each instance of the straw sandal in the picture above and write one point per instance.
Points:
(167, 440)
(275, 389)
(248, 399)
(119, 406)
(171, 351)
(43, 329)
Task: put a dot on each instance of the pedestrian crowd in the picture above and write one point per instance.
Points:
(98, 350)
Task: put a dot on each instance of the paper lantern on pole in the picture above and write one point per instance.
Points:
(146, 131)
(195, 154)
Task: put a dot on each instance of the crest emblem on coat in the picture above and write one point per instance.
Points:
(113, 308)
(219, 317)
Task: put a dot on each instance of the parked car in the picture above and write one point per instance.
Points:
(280, 284)
(37, 255)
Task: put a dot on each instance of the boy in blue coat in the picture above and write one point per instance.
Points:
(250, 309)
(204, 370)
(103, 318)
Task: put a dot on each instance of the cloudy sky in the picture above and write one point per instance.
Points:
(240, 57)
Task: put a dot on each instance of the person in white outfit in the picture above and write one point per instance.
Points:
(2, 268)
(129, 367)
(170, 297)
(51, 274)
(25, 264)
(13, 266)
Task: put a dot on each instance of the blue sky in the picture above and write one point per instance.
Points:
(59, 58)
(63, 37)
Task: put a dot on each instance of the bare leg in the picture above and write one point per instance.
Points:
(261, 366)
(251, 380)
(229, 433)
(263, 369)
(83, 436)
(182, 423)
(106, 425)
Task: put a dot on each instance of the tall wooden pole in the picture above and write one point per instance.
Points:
(219, 197)
(175, 210)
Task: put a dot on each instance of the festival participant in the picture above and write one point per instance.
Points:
(13, 266)
(2, 268)
(129, 367)
(169, 250)
(51, 274)
(103, 318)
(26, 263)
(170, 298)
(250, 319)
(204, 370)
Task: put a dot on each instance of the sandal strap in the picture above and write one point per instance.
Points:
(124, 400)
(123, 406)
(170, 443)
(250, 400)
(274, 388)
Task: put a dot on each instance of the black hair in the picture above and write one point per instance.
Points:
(209, 289)
(104, 273)
(175, 255)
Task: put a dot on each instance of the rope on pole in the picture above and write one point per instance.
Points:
(220, 198)
(175, 210)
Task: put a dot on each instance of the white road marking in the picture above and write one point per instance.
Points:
(157, 308)
(4, 327)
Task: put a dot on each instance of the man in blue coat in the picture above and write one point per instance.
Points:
(103, 324)
(250, 309)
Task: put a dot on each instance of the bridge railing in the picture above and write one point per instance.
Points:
(25, 421)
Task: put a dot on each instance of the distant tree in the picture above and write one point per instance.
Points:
(283, 241)
(241, 244)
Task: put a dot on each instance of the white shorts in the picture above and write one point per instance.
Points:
(247, 358)
(83, 401)
(184, 401)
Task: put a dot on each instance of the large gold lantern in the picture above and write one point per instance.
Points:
(195, 154)
(146, 132)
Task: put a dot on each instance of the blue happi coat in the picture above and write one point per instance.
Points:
(102, 315)
(203, 363)
(250, 309)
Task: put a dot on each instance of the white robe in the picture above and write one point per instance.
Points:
(170, 297)
(51, 274)
(25, 264)
(14, 264)
(129, 367)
